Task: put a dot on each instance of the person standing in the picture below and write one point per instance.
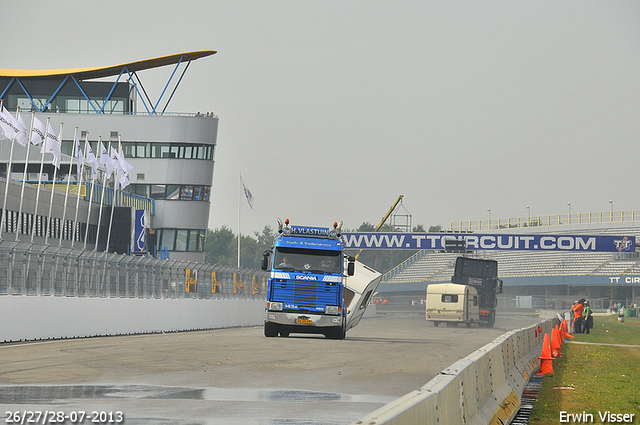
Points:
(588, 319)
(577, 314)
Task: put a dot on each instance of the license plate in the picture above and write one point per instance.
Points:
(304, 321)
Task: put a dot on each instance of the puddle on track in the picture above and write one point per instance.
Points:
(53, 397)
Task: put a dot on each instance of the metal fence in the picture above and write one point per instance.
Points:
(546, 220)
(28, 269)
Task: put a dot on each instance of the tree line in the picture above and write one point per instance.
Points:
(222, 247)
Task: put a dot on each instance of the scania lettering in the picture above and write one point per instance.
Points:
(314, 286)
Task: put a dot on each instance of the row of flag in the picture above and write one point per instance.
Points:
(14, 128)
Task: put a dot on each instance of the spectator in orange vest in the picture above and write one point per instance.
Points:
(577, 312)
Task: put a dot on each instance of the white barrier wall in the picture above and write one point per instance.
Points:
(483, 388)
(46, 317)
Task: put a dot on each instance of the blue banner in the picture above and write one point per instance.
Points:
(475, 241)
(139, 231)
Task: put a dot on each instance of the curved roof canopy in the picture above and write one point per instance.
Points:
(105, 71)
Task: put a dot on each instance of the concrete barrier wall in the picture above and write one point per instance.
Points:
(46, 317)
(484, 387)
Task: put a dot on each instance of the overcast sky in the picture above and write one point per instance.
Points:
(332, 109)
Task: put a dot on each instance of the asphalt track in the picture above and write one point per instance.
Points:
(237, 376)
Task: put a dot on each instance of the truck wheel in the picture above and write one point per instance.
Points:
(270, 329)
(284, 334)
(337, 332)
(436, 324)
(492, 320)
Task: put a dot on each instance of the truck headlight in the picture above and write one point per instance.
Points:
(332, 309)
(275, 306)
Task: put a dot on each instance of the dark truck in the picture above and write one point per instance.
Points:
(482, 275)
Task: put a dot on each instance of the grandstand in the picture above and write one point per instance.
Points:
(595, 274)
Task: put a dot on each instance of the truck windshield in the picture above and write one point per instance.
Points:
(308, 260)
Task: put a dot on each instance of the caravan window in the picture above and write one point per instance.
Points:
(447, 298)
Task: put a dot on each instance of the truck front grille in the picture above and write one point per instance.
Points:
(311, 296)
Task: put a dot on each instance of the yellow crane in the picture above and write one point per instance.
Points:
(384, 219)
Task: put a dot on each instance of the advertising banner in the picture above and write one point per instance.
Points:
(140, 226)
(476, 241)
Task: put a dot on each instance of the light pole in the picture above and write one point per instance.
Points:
(528, 216)
(569, 204)
(489, 211)
(611, 202)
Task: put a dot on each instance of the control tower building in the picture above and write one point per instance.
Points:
(172, 154)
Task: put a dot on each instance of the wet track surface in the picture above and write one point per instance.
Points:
(237, 376)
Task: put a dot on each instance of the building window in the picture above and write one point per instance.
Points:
(173, 191)
(157, 191)
(170, 191)
(168, 238)
(182, 239)
(186, 193)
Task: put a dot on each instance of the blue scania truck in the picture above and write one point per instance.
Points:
(314, 286)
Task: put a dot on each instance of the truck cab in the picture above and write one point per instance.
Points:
(483, 275)
(314, 287)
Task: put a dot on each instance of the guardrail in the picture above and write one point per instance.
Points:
(546, 220)
(28, 269)
(483, 388)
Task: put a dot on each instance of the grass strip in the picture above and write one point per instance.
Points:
(590, 380)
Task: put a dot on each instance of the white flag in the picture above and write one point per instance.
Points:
(23, 139)
(121, 165)
(247, 193)
(124, 165)
(91, 159)
(124, 181)
(52, 145)
(115, 159)
(11, 127)
(77, 152)
(105, 159)
(37, 132)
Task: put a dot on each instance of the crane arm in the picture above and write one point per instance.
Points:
(384, 219)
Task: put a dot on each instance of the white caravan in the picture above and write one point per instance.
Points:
(451, 303)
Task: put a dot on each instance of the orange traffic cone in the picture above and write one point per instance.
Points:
(556, 342)
(565, 331)
(546, 365)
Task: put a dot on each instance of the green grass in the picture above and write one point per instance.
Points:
(604, 378)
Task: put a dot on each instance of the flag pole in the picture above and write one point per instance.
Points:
(116, 183)
(104, 186)
(93, 183)
(6, 184)
(24, 178)
(66, 193)
(42, 149)
(80, 186)
(239, 191)
(53, 187)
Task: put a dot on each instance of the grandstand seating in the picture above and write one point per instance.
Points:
(435, 266)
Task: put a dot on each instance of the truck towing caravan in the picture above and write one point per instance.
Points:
(314, 286)
(470, 298)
